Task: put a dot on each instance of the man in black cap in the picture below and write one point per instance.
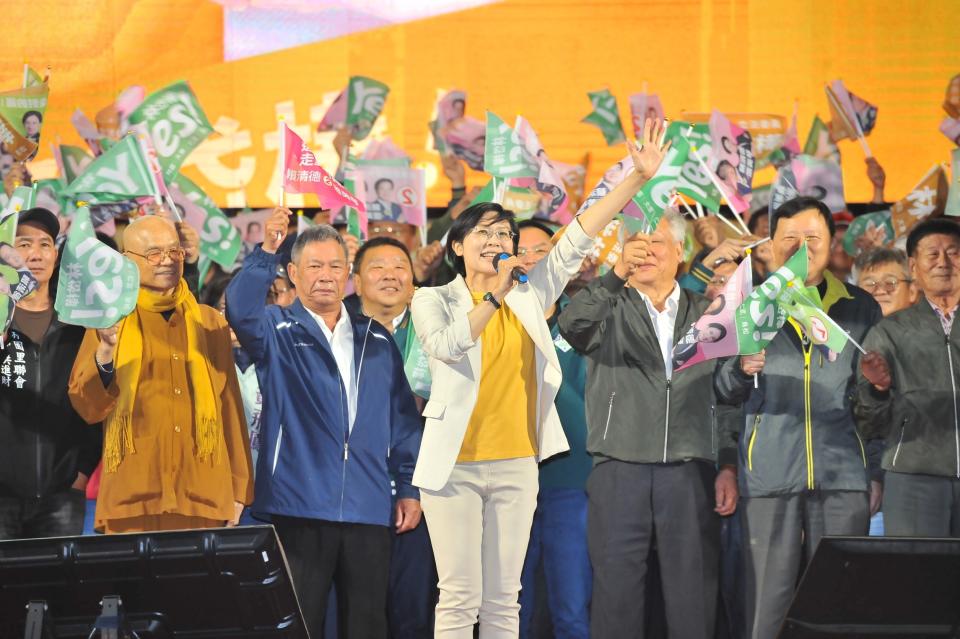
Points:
(47, 452)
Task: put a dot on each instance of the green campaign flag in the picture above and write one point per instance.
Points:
(98, 286)
(655, 195)
(219, 239)
(606, 116)
(365, 100)
(693, 181)
(416, 364)
(761, 315)
(503, 152)
(31, 78)
(487, 194)
(819, 144)
(122, 173)
(804, 306)
(176, 124)
(73, 161)
(15, 104)
(866, 222)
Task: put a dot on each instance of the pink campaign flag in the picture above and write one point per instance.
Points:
(303, 174)
(643, 106)
(731, 158)
(714, 334)
(548, 180)
(384, 149)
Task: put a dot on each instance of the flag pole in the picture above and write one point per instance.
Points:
(281, 129)
(26, 74)
(716, 184)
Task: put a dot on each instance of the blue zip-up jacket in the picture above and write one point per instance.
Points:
(311, 465)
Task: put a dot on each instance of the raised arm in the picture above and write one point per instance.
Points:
(247, 293)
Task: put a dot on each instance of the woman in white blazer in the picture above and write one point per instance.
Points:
(491, 415)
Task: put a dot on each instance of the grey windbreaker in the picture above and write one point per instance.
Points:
(918, 415)
(799, 432)
(634, 413)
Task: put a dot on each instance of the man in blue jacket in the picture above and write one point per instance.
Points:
(338, 421)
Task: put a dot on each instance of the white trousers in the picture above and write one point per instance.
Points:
(480, 527)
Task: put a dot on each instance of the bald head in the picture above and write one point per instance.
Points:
(151, 236)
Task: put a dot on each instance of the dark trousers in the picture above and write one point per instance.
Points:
(558, 542)
(355, 557)
(413, 593)
(921, 505)
(57, 515)
(630, 505)
(780, 534)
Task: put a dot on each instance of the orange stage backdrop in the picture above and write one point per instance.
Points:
(537, 58)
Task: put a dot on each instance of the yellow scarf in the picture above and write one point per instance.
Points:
(118, 434)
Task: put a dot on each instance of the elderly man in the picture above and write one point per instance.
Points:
(48, 452)
(176, 453)
(653, 438)
(803, 470)
(908, 391)
(338, 422)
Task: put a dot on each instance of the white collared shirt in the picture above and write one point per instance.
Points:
(341, 343)
(664, 323)
(398, 320)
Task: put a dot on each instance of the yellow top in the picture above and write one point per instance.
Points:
(503, 423)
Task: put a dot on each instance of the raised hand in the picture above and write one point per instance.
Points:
(454, 169)
(753, 364)
(877, 177)
(426, 259)
(189, 241)
(275, 229)
(108, 344)
(635, 251)
(648, 153)
(729, 250)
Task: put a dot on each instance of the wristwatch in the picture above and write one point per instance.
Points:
(488, 297)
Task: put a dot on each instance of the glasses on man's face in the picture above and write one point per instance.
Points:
(535, 252)
(154, 257)
(503, 237)
(888, 284)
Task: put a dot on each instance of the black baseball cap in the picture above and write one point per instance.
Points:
(41, 217)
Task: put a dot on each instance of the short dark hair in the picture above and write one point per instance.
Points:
(535, 224)
(376, 185)
(212, 292)
(798, 205)
(466, 223)
(26, 115)
(754, 221)
(935, 226)
(375, 243)
(719, 327)
(881, 255)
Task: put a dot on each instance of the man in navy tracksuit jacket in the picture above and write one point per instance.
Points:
(338, 420)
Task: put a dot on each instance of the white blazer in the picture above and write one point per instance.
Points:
(440, 318)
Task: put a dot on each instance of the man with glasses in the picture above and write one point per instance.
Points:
(176, 454)
(909, 394)
(885, 274)
(48, 452)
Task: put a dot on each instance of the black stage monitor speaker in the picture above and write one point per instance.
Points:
(878, 588)
(229, 582)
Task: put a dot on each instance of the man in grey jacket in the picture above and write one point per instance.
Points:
(803, 469)
(654, 439)
(908, 391)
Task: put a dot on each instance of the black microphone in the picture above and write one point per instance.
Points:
(518, 274)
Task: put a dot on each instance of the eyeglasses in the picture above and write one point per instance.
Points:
(154, 257)
(536, 252)
(889, 284)
(501, 236)
(720, 280)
